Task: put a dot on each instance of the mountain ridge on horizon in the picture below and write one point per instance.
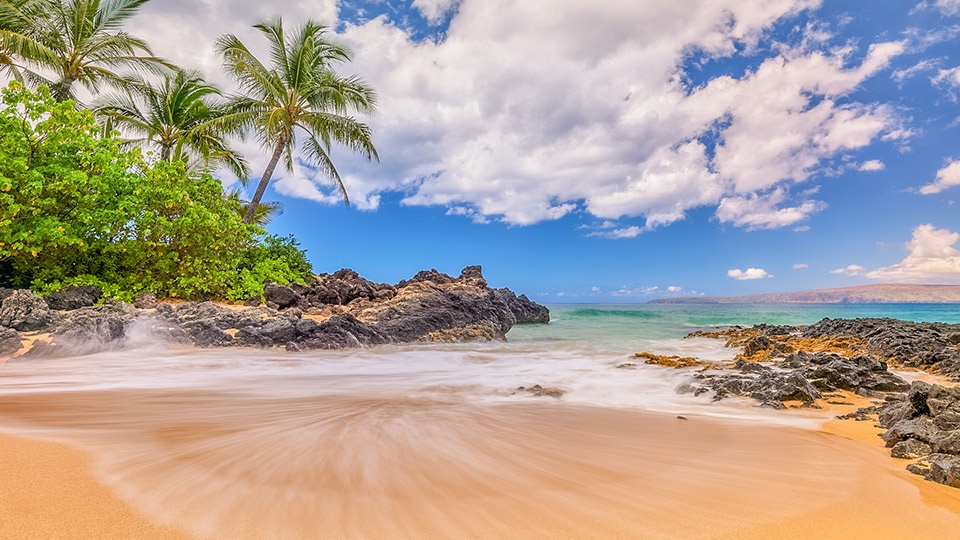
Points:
(884, 293)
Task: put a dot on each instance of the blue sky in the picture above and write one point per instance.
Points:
(628, 150)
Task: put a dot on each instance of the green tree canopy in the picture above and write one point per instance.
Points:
(75, 208)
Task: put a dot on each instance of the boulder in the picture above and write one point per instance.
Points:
(146, 300)
(338, 332)
(771, 388)
(69, 298)
(204, 333)
(24, 311)
(524, 310)
(910, 449)
(274, 333)
(281, 295)
(10, 342)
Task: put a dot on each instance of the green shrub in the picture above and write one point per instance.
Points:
(77, 209)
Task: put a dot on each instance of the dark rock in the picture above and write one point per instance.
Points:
(910, 449)
(830, 372)
(756, 344)
(252, 301)
(70, 298)
(221, 317)
(24, 311)
(9, 342)
(145, 300)
(770, 388)
(902, 342)
(281, 295)
(751, 367)
(862, 414)
(424, 309)
(537, 390)
(524, 310)
(97, 325)
(203, 333)
(432, 276)
(274, 333)
(4, 293)
(921, 429)
(340, 331)
(944, 469)
(475, 273)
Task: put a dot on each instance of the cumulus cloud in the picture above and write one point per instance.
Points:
(755, 211)
(749, 273)
(931, 258)
(435, 11)
(523, 117)
(800, 266)
(947, 177)
(872, 165)
(853, 270)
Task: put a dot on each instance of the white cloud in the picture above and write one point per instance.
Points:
(749, 273)
(931, 258)
(947, 177)
(949, 78)
(800, 266)
(435, 11)
(853, 270)
(926, 64)
(950, 7)
(625, 232)
(674, 289)
(801, 228)
(524, 117)
(872, 165)
(755, 211)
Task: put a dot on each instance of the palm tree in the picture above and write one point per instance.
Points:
(298, 92)
(176, 117)
(264, 213)
(77, 40)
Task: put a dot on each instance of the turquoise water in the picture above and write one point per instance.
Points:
(626, 327)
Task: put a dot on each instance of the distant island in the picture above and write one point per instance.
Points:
(863, 294)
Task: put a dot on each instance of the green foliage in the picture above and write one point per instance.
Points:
(77, 209)
(275, 259)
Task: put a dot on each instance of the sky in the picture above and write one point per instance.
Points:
(626, 150)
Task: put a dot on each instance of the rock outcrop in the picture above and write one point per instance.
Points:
(783, 364)
(335, 311)
(903, 343)
(24, 311)
(925, 423)
(74, 297)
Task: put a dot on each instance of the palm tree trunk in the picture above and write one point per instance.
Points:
(61, 90)
(264, 180)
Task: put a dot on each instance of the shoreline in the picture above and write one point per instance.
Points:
(763, 480)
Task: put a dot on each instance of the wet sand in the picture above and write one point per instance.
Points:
(392, 467)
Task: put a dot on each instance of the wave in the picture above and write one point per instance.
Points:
(628, 313)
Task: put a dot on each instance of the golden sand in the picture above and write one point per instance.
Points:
(543, 470)
(47, 491)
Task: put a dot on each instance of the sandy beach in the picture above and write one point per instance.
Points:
(540, 470)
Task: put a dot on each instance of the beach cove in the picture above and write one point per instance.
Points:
(429, 440)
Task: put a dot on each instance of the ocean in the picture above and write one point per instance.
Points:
(174, 428)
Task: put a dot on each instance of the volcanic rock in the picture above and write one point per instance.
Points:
(69, 298)
(24, 311)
